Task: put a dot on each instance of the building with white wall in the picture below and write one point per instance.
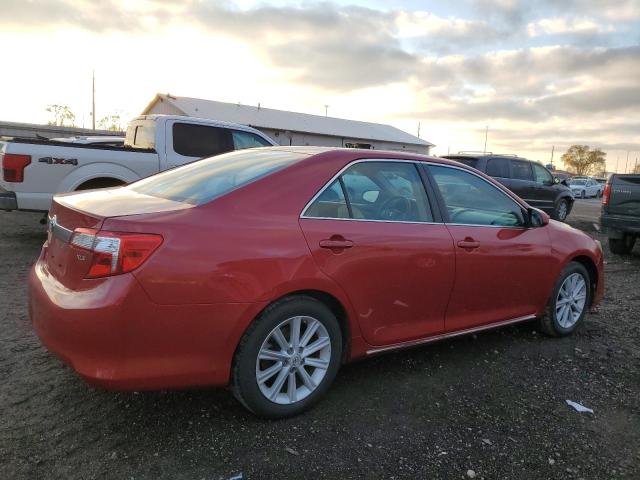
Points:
(292, 128)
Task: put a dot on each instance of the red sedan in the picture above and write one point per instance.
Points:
(267, 269)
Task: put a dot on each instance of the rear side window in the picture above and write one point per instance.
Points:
(469, 162)
(200, 140)
(247, 140)
(521, 170)
(201, 182)
(330, 203)
(498, 167)
(383, 191)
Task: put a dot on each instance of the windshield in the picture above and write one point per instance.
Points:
(202, 181)
(578, 182)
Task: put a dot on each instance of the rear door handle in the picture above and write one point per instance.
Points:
(336, 243)
(468, 244)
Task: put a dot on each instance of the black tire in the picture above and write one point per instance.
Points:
(562, 210)
(100, 183)
(622, 246)
(583, 194)
(549, 324)
(599, 194)
(244, 384)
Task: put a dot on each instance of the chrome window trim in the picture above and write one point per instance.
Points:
(415, 162)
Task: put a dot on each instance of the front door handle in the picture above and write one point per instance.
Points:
(336, 242)
(468, 244)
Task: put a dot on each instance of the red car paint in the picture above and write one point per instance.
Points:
(176, 320)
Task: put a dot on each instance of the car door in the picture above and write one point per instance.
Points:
(522, 183)
(502, 267)
(374, 232)
(544, 187)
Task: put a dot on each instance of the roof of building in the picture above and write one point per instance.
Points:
(259, 117)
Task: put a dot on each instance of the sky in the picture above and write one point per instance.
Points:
(539, 74)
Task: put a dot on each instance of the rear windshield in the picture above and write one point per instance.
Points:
(468, 161)
(202, 181)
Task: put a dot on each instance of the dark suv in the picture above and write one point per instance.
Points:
(530, 180)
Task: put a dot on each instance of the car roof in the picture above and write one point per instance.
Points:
(351, 154)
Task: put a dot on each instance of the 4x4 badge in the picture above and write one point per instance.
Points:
(58, 161)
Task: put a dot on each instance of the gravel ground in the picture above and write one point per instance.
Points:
(492, 403)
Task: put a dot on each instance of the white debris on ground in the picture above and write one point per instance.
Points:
(578, 407)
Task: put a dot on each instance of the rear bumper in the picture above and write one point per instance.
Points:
(620, 224)
(112, 335)
(8, 200)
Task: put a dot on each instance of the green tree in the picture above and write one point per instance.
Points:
(61, 115)
(110, 122)
(581, 160)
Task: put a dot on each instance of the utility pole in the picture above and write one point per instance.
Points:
(418, 129)
(552, 149)
(326, 110)
(486, 134)
(617, 163)
(93, 98)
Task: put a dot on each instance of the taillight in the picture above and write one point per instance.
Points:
(115, 252)
(13, 166)
(606, 193)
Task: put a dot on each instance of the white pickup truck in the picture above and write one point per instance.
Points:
(34, 170)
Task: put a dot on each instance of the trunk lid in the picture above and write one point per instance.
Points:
(69, 263)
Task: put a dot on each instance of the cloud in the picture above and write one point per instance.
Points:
(562, 25)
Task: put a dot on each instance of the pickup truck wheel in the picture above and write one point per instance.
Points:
(562, 210)
(569, 301)
(622, 246)
(288, 358)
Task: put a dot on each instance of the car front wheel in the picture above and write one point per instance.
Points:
(562, 210)
(569, 301)
(288, 358)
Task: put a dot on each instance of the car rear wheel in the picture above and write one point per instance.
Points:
(562, 210)
(288, 358)
(569, 301)
(622, 246)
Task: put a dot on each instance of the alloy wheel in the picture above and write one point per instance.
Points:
(293, 360)
(562, 210)
(571, 300)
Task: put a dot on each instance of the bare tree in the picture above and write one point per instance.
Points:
(111, 122)
(61, 114)
(581, 160)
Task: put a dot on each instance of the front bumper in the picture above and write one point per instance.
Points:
(111, 334)
(8, 200)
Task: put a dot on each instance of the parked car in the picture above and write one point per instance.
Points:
(530, 180)
(620, 216)
(266, 269)
(34, 170)
(585, 187)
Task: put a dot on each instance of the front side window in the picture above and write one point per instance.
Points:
(200, 141)
(243, 140)
(471, 200)
(542, 175)
(521, 170)
(386, 191)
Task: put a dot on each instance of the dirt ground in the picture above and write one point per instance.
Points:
(492, 403)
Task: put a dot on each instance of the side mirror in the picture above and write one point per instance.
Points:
(537, 218)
